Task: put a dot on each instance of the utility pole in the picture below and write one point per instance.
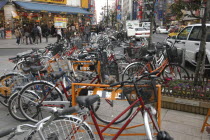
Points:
(107, 12)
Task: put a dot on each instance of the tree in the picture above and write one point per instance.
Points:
(178, 9)
(152, 21)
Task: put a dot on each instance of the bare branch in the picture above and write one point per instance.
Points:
(193, 15)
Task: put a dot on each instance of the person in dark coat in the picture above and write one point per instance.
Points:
(35, 32)
(46, 32)
(27, 30)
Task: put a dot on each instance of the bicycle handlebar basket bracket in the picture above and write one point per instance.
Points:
(146, 90)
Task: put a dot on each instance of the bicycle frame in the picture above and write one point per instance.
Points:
(160, 68)
(132, 116)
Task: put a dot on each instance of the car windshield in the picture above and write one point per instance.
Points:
(140, 29)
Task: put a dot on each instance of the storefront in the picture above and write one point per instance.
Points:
(43, 13)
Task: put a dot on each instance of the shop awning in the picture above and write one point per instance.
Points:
(2, 3)
(52, 8)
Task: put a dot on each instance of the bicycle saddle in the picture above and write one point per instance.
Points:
(26, 69)
(151, 52)
(57, 74)
(147, 58)
(87, 101)
(36, 68)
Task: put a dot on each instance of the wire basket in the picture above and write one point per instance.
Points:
(147, 91)
(59, 65)
(174, 55)
(71, 128)
(134, 53)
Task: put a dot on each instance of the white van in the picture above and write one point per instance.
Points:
(189, 39)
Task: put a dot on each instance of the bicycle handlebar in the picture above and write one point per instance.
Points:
(6, 132)
(134, 80)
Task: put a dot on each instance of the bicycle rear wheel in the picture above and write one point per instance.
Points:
(110, 109)
(175, 72)
(32, 106)
(67, 128)
(8, 84)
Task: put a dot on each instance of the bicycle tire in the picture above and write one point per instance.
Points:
(62, 128)
(150, 123)
(10, 81)
(122, 63)
(108, 110)
(178, 73)
(133, 69)
(26, 102)
(14, 108)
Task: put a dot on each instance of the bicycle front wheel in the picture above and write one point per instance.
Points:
(150, 122)
(133, 69)
(32, 107)
(65, 128)
(110, 109)
(175, 72)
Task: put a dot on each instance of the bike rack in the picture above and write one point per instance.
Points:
(99, 87)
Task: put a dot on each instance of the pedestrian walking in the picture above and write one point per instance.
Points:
(35, 32)
(59, 34)
(46, 32)
(22, 38)
(87, 32)
(27, 30)
(69, 34)
(2, 32)
(40, 33)
(18, 35)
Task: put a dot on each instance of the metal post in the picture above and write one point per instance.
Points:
(107, 12)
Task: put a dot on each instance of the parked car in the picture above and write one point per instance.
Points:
(174, 31)
(141, 32)
(161, 30)
(189, 39)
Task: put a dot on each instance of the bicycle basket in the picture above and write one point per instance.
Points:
(134, 53)
(146, 90)
(173, 55)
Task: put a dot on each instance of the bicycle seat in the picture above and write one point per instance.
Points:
(36, 68)
(87, 101)
(26, 69)
(57, 74)
(147, 58)
(82, 56)
(151, 52)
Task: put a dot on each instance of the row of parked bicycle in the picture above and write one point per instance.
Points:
(40, 88)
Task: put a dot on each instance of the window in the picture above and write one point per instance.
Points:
(140, 29)
(195, 34)
(184, 33)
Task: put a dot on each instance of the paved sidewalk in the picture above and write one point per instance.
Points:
(11, 44)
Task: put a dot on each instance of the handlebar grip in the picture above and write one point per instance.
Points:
(6, 132)
(68, 111)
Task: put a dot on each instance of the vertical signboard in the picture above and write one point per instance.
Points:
(134, 14)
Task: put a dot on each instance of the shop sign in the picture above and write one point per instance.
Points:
(54, 1)
(8, 34)
(84, 3)
(60, 22)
